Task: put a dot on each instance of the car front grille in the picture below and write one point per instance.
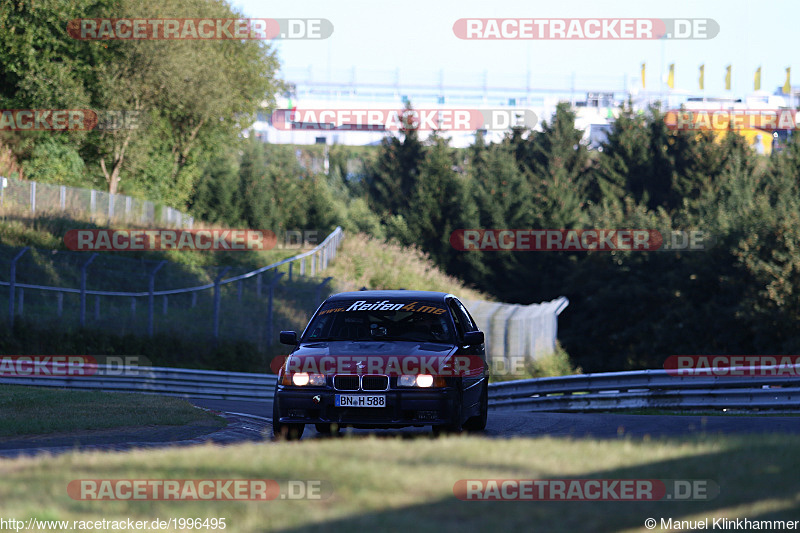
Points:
(351, 382)
(345, 382)
(375, 382)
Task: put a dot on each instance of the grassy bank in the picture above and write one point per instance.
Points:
(393, 484)
(37, 411)
(367, 262)
(182, 323)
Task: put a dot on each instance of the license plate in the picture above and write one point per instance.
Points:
(360, 400)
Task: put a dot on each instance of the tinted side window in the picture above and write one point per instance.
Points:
(466, 318)
(457, 318)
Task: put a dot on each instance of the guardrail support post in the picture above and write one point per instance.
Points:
(33, 197)
(12, 285)
(258, 285)
(165, 304)
(218, 300)
(269, 306)
(133, 306)
(60, 303)
(290, 271)
(97, 307)
(151, 286)
(303, 266)
(83, 288)
(62, 197)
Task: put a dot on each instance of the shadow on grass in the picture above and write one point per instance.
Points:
(748, 472)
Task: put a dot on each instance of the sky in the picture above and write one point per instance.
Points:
(416, 37)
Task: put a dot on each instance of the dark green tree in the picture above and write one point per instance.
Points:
(391, 181)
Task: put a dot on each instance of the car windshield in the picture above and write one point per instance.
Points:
(381, 320)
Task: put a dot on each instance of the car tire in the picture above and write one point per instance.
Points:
(285, 431)
(447, 429)
(327, 429)
(453, 428)
(478, 423)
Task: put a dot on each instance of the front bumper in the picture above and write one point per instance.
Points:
(404, 407)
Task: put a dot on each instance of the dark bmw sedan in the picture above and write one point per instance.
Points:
(383, 359)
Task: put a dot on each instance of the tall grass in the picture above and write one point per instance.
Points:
(556, 364)
(364, 261)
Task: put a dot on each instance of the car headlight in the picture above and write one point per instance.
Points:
(301, 379)
(420, 380)
(424, 380)
(406, 381)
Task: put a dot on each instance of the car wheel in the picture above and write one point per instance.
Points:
(327, 429)
(478, 423)
(285, 431)
(446, 429)
(453, 428)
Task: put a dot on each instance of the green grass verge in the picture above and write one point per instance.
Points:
(183, 322)
(364, 261)
(46, 231)
(407, 485)
(37, 411)
(556, 364)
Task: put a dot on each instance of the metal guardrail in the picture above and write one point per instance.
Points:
(323, 252)
(585, 392)
(187, 383)
(316, 259)
(655, 389)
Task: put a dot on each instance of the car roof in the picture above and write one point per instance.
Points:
(423, 296)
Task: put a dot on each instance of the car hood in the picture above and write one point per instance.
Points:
(381, 357)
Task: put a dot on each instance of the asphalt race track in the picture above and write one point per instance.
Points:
(602, 425)
(251, 421)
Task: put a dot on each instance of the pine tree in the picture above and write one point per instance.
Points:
(624, 164)
(438, 201)
(215, 199)
(393, 178)
(555, 162)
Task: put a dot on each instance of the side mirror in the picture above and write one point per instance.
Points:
(289, 337)
(473, 337)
